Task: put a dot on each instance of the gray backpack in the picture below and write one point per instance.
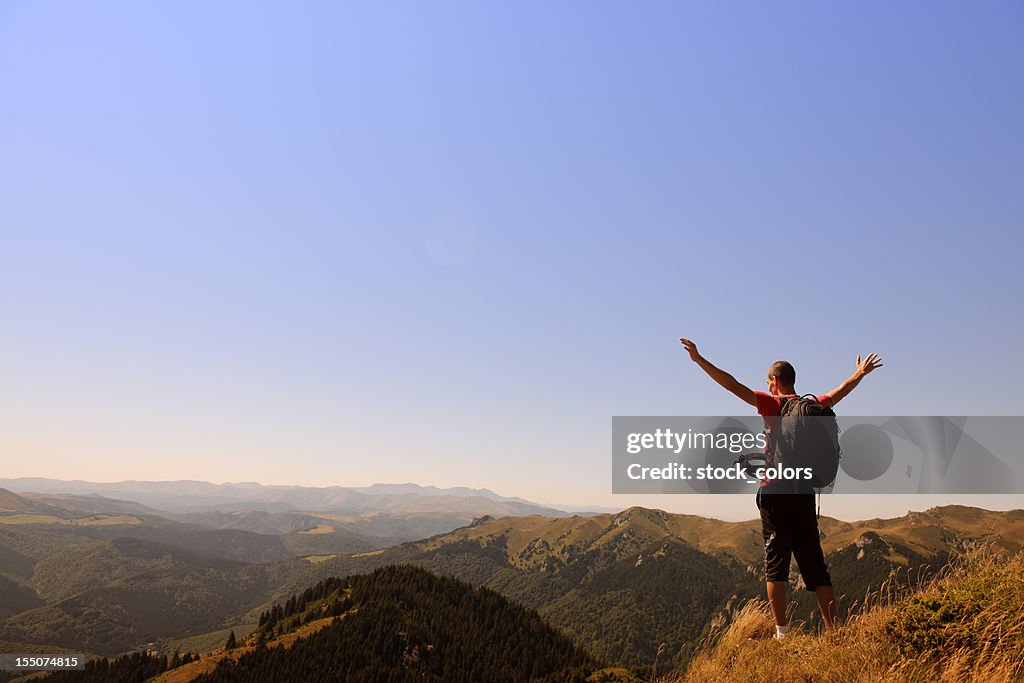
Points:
(808, 437)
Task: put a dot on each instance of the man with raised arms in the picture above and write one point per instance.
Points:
(788, 521)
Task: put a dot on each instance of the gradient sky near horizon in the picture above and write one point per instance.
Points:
(343, 243)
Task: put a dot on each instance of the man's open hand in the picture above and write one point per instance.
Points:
(868, 364)
(691, 349)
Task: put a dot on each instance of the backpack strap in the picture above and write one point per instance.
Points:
(783, 402)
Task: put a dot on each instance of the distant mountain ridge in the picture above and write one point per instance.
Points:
(11, 503)
(409, 487)
(321, 520)
(186, 496)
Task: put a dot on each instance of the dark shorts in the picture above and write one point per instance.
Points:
(790, 529)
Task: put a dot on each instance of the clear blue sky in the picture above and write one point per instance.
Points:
(339, 243)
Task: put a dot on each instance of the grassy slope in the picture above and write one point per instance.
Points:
(967, 625)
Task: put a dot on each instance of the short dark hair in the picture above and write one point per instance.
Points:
(783, 371)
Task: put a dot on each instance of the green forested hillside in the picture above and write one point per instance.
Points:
(402, 623)
(667, 594)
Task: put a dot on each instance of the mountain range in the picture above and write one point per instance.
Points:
(108, 576)
(326, 519)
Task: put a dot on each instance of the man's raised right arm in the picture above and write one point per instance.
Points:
(727, 381)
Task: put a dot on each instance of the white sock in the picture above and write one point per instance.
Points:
(781, 631)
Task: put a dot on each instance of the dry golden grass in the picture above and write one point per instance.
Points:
(208, 662)
(966, 625)
(92, 520)
(317, 559)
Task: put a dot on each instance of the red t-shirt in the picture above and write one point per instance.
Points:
(770, 407)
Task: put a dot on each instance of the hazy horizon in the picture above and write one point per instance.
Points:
(726, 507)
